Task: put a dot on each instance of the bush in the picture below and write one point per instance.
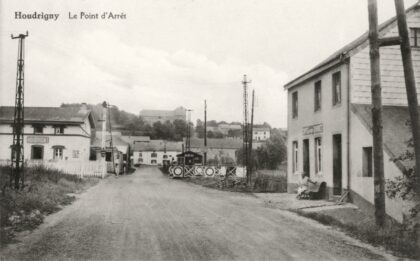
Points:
(44, 193)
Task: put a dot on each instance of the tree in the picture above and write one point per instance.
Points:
(270, 155)
(404, 187)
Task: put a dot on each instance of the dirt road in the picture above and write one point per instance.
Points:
(147, 216)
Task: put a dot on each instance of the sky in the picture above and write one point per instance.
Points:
(170, 53)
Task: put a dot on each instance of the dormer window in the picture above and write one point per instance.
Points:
(58, 129)
(38, 129)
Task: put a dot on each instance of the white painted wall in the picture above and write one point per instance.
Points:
(333, 119)
(361, 137)
(147, 157)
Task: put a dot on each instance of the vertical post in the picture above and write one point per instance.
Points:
(410, 83)
(245, 130)
(17, 157)
(251, 129)
(378, 159)
(205, 132)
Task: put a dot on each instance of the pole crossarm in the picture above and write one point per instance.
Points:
(389, 41)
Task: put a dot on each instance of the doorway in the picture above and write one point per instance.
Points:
(37, 152)
(306, 163)
(337, 169)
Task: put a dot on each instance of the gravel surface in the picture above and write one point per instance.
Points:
(147, 216)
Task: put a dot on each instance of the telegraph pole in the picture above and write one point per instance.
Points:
(205, 132)
(17, 151)
(410, 84)
(188, 141)
(378, 157)
(245, 83)
(251, 128)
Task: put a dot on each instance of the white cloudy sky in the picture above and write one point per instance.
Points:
(169, 53)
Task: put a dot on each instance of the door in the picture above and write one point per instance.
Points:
(306, 168)
(37, 152)
(337, 170)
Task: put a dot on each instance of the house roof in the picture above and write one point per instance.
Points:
(135, 139)
(261, 129)
(217, 143)
(345, 52)
(49, 115)
(396, 130)
(158, 145)
(116, 141)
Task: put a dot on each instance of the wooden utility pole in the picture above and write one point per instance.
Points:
(410, 83)
(251, 129)
(205, 132)
(378, 157)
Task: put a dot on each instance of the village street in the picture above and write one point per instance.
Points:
(147, 216)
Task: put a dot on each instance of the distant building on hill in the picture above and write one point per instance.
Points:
(260, 134)
(152, 116)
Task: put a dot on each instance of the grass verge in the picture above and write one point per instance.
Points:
(46, 191)
(394, 237)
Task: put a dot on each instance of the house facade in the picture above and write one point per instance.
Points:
(50, 133)
(330, 123)
(260, 134)
(156, 152)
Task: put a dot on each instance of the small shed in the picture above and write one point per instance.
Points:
(191, 158)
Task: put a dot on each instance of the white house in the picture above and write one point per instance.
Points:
(50, 133)
(260, 134)
(329, 119)
(156, 152)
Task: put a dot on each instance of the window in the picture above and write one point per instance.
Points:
(415, 36)
(294, 105)
(76, 154)
(153, 155)
(38, 129)
(295, 152)
(140, 160)
(165, 156)
(153, 162)
(58, 153)
(317, 96)
(58, 129)
(318, 155)
(367, 162)
(336, 85)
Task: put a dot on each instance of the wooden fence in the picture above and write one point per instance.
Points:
(71, 167)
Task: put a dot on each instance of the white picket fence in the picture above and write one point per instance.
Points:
(72, 167)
